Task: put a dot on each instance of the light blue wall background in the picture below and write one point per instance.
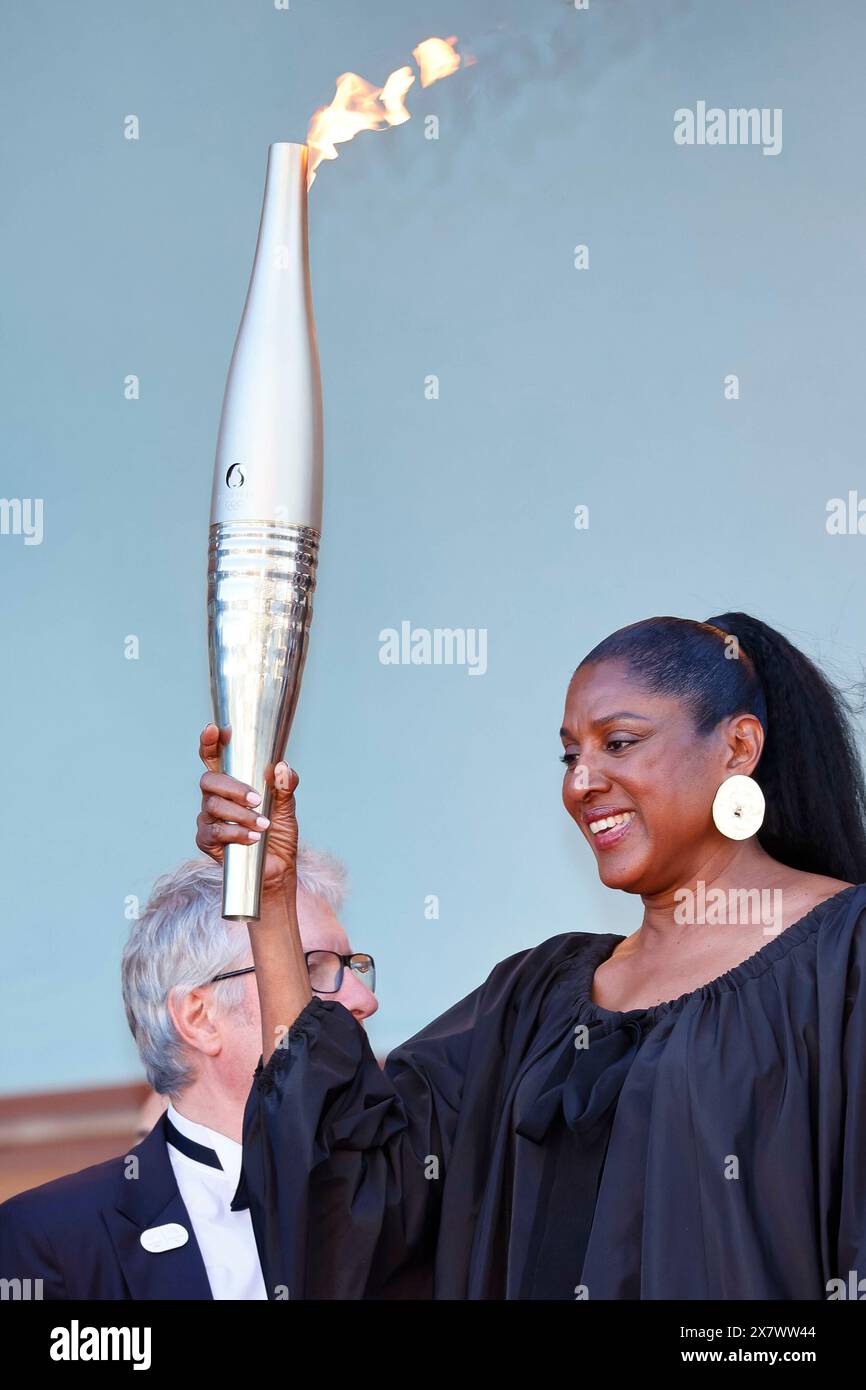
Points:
(557, 387)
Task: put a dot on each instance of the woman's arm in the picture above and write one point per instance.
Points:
(281, 972)
(343, 1166)
(229, 816)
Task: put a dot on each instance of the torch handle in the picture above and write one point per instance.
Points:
(261, 580)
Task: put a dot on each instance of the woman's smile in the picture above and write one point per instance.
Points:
(607, 828)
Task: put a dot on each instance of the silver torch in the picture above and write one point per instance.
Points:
(266, 512)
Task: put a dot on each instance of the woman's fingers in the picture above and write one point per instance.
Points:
(211, 741)
(230, 813)
(212, 834)
(285, 781)
(217, 783)
(209, 747)
(283, 835)
(220, 784)
(219, 808)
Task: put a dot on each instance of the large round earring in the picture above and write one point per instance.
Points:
(738, 808)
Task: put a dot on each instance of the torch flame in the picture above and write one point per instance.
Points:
(393, 93)
(436, 58)
(358, 105)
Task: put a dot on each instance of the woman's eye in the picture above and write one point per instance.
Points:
(613, 745)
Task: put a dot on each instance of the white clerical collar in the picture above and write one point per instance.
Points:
(228, 1151)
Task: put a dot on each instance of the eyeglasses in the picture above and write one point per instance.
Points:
(325, 969)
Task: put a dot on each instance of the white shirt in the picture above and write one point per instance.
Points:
(225, 1237)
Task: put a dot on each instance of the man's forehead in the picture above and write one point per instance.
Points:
(319, 924)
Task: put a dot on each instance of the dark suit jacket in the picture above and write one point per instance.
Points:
(81, 1234)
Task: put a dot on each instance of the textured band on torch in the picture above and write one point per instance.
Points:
(261, 580)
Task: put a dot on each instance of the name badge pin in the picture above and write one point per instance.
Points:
(159, 1238)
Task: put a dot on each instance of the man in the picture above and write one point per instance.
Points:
(159, 1223)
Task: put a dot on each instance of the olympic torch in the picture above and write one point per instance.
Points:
(266, 513)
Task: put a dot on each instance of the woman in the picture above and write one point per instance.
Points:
(680, 1113)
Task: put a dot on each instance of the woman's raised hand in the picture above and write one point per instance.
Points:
(230, 813)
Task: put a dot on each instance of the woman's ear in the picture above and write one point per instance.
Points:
(745, 739)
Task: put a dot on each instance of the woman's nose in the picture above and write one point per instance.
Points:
(583, 779)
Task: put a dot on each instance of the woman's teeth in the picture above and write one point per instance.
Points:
(610, 821)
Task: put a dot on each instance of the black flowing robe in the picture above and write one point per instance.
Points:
(530, 1144)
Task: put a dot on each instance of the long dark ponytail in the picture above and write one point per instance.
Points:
(809, 770)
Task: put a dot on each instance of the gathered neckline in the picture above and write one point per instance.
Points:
(588, 961)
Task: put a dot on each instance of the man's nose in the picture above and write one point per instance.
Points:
(357, 998)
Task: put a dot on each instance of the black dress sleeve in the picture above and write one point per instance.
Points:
(851, 1251)
(346, 1166)
(343, 1162)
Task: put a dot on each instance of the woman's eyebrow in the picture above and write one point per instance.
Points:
(608, 719)
(619, 714)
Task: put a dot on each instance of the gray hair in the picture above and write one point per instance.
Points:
(181, 941)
